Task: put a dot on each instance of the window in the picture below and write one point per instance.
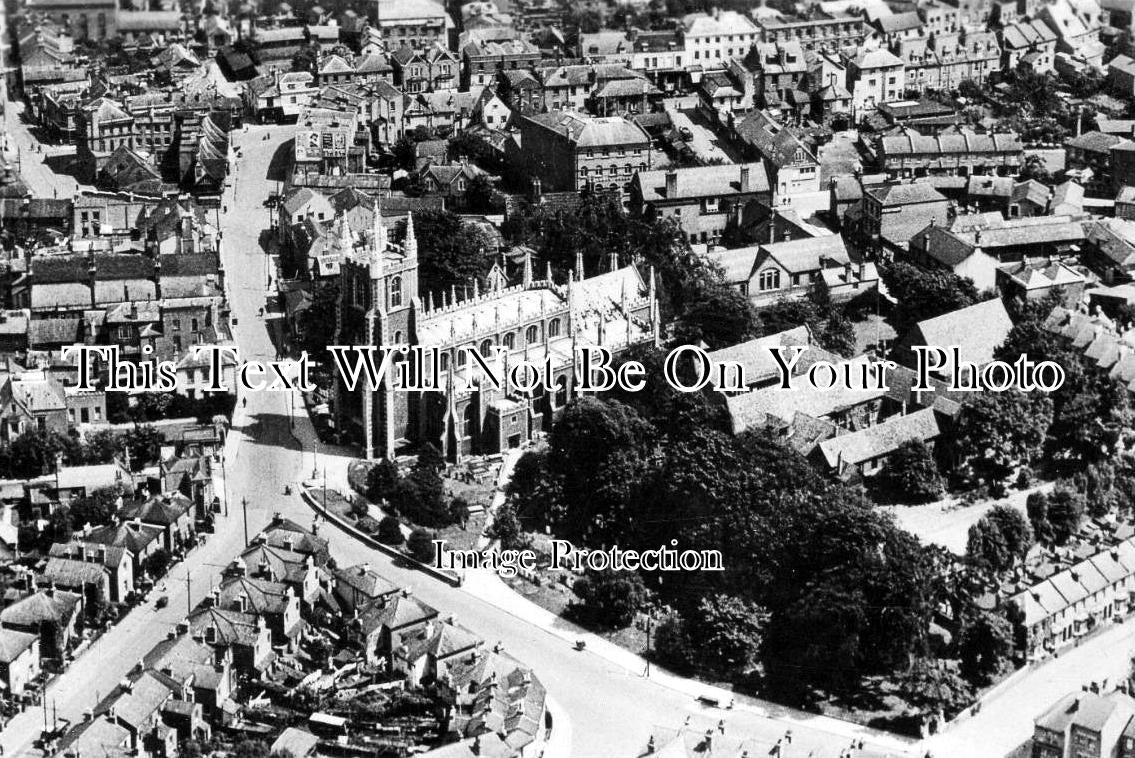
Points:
(770, 279)
(462, 358)
(444, 362)
(487, 348)
(531, 334)
(396, 292)
(510, 340)
(554, 328)
(177, 325)
(193, 324)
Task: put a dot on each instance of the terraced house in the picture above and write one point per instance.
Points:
(912, 155)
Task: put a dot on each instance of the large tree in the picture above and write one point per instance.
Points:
(610, 599)
(923, 293)
(726, 632)
(910, 474)
(451, 253)
(997, 431)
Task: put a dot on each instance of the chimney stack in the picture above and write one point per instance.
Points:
(671, 183)
(744, 178)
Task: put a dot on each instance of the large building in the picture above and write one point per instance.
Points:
(416, 24)
(570, 151)
(535, 320)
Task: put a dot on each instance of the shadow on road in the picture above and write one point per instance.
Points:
(278, 166)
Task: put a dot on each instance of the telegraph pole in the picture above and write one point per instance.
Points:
(244, 506)
(188, 593)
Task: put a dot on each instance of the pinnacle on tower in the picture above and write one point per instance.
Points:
(410, 244)
(613, 261)
(579, 265)
(527, 268)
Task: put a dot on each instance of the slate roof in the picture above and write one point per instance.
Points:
(756, 355)
(45, 605)
(978, 330)
(890, 195)
(701, 181)
(881, 439)
(591, 131)
(804, 255)
(71, 574)
(13, 644)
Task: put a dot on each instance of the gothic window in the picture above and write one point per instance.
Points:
(444, 362)
(531, 334)
(770, 279)
(396, 292)
(398, 338)
(462, 355)
(510, 340)
(487, 348)
(554, 328)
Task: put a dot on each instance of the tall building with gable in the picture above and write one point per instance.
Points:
(533, 320)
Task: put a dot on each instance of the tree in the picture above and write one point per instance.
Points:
(671, 643)
(34, 453)
(420, 545)
(1065, 511)
(102, 446)
(985, 643)
(157, 564)
(996, 431)
(506, 527)
(390, 531)
(986, 547)
(720, 317)
(599, 451)
(923, 293)
(382, 478)
(405, 153)
(451, 253)
(251, 749)
(479, 195)
(933, 687)
(97, 508)
(144, 444)
(1014, 529)
(727, 633)
(910, 474)
(1036, 508)
(459, 510)
(1034, 168)
(609, 599)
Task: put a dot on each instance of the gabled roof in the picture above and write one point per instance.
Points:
(13, 644)
(701, 181)
(881, 439)
(977, 330)
(45, 605)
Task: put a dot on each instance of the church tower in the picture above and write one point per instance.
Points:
(377, 299)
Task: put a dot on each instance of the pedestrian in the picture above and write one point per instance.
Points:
(244, 402)
(721, 726)
(687, 721)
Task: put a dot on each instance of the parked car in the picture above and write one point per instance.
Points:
(162, 602)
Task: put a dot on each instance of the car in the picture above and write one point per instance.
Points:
(686, 133)
(162, 602)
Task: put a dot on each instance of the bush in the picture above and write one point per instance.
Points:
(368, 525)
(390, 531)
(420, 545)
(609, 599)
(910, 474)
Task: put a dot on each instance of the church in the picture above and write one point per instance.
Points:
(534, 320)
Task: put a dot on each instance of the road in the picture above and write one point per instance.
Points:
(1006, 717)
(704, 142)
